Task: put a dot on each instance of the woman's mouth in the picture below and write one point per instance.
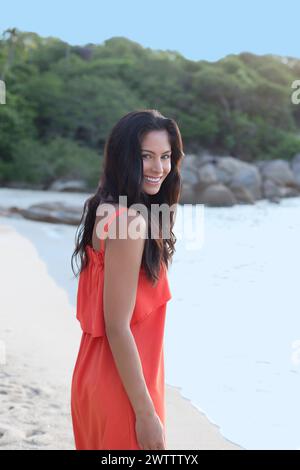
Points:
(152, 180)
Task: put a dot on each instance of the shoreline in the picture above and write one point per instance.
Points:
(35, 381)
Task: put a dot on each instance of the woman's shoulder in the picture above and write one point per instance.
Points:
(119, 219)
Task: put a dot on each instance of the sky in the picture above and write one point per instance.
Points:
(199, 30)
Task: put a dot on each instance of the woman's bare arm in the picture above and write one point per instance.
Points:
(122, 265)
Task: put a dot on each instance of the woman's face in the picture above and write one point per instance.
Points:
(156, 154)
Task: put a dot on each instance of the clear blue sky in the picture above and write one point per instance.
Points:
(203, 29)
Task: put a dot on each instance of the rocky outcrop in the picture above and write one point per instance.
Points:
(225, 180)
(217, 181)
(217, 195)
(278, 179)
(54, 212)
(295, 167)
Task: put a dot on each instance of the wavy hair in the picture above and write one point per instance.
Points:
(123, 176)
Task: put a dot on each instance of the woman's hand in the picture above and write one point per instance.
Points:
(149, 432)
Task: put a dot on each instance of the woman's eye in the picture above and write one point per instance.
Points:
(164, 156)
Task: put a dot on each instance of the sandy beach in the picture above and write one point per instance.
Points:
(39, 340)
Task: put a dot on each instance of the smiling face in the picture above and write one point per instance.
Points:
(156, 154)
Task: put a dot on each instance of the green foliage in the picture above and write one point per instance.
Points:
(42, 163)
(16, 123)
(62, 101)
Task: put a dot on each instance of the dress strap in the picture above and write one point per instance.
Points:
(105, 229)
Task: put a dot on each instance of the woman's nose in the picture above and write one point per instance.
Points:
(157, 167)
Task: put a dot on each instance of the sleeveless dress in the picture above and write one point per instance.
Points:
(102, 415)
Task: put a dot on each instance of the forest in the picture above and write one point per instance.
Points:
(62, 100)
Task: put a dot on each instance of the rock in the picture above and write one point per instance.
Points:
(54, 212)
(205, 158)
(242, 194)
(226, 168)
(241, 182)
(295, 166)
(189, 176)
(190, 161)
(206, 175)
(216, 195)
(272, 190)
(68, 185)
(4, 211)
(279, 181)
(235, 174)
(296, 160)
(260, 164)
(249, 178)
(187, 194)
(278, 171)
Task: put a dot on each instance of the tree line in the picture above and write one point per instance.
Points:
(62, 100)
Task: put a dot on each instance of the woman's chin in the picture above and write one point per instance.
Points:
(151, 189)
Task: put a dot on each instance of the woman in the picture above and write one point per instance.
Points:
(117, 393)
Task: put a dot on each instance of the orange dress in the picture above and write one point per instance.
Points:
(102, 414)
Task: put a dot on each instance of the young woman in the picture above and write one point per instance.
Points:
(117, 392)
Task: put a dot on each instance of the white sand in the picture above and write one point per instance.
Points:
(39, 341)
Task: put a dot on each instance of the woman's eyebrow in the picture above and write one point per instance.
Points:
(145, 150)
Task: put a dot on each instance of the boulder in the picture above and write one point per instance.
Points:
(206, 175)
(295, 166)
(187, 194)
(235, 173)
(242, 194)
(273, 191)
(278, 171)
(216, 195)
(189, 176)
(54, 212)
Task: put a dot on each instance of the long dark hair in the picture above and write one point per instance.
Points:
(123, 176)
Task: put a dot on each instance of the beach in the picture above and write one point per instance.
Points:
(39, 341)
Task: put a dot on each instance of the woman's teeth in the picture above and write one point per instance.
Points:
(152, 180)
